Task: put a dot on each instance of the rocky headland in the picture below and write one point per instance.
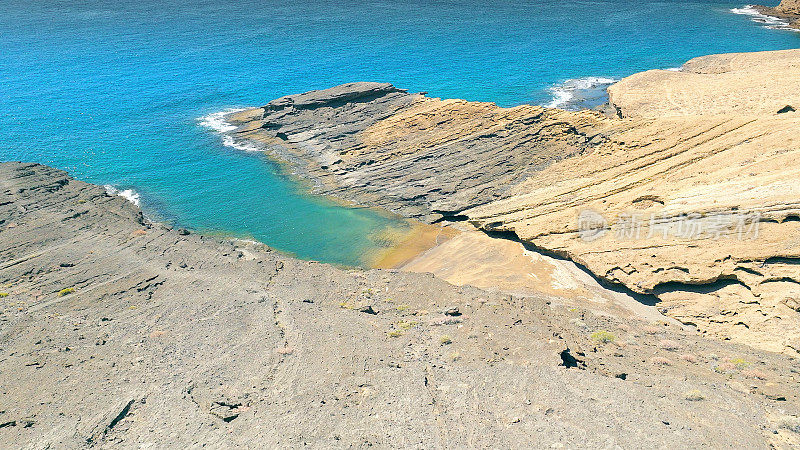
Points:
(686, 193)
(788, 10)
(115, 331)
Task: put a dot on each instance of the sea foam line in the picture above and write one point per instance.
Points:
(567, 91)
(216, 122)
(128, 194)
(773, 23)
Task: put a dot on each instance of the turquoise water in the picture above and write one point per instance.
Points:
(112, 90)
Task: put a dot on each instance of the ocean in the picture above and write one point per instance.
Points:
(123, 93)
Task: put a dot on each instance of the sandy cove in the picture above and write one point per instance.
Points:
(712, 147)
(115, 331)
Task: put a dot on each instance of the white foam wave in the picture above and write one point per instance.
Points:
(773, 23)
(240, 145)
(128, 194)
(674, 69)
(216, 122)
(568, 91)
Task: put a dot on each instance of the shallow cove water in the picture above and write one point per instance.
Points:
(114, 91)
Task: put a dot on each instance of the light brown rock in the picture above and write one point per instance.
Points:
(703, 152)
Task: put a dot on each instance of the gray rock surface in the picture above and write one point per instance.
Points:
(458, 155)
(119, 332)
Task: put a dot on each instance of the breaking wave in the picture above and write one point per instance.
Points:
(580, 93)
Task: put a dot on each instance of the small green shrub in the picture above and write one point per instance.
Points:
(603, 337)
(66, 291)
(445, 340)
(395, 333)
(406, 325)
(739, 363)
(3, 294)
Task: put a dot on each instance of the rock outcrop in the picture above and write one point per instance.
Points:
(788, 10)
(690, 196)
(789, 7)
(119, 332)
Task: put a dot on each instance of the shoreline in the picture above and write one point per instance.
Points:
(190, 340)
(401, 246)
(527, 170)
(776, 18)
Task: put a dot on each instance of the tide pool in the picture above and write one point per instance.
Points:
(115, 92)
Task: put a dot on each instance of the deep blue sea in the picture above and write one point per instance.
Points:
(112, 91)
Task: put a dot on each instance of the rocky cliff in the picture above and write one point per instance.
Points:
(789, 7)
(788, 10)
(690, 196)
(117, 332)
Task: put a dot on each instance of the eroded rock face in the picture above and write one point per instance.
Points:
(789, 10)
(695, 186)
(117, 332)
(421, 157)
(789, 6)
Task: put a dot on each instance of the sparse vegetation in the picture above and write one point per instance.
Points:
(445, 340)
(401, 327)
(739, 363)
(660, 361)
(66, 291)
(406, 324)
(603, 337)
(668, 344)
(3, 294)
(725, 367)
(402, 308)
(455, 356)
(756, 374)
(694, 395)
(395, 333)
(445, 321)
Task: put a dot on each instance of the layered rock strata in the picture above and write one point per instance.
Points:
(690, 196)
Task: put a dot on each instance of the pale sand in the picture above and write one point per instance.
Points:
(471, 257)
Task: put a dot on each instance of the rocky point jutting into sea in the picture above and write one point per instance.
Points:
(788, 10)
(117, 331)
(691, 180)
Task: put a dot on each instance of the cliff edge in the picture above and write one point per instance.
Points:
(690, 196)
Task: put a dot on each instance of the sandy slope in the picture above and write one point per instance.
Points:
(171, 339)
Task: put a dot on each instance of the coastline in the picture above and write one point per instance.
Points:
(397, 244)
(528, 171)
(776, 17)
(618, 268)
(118, 331)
